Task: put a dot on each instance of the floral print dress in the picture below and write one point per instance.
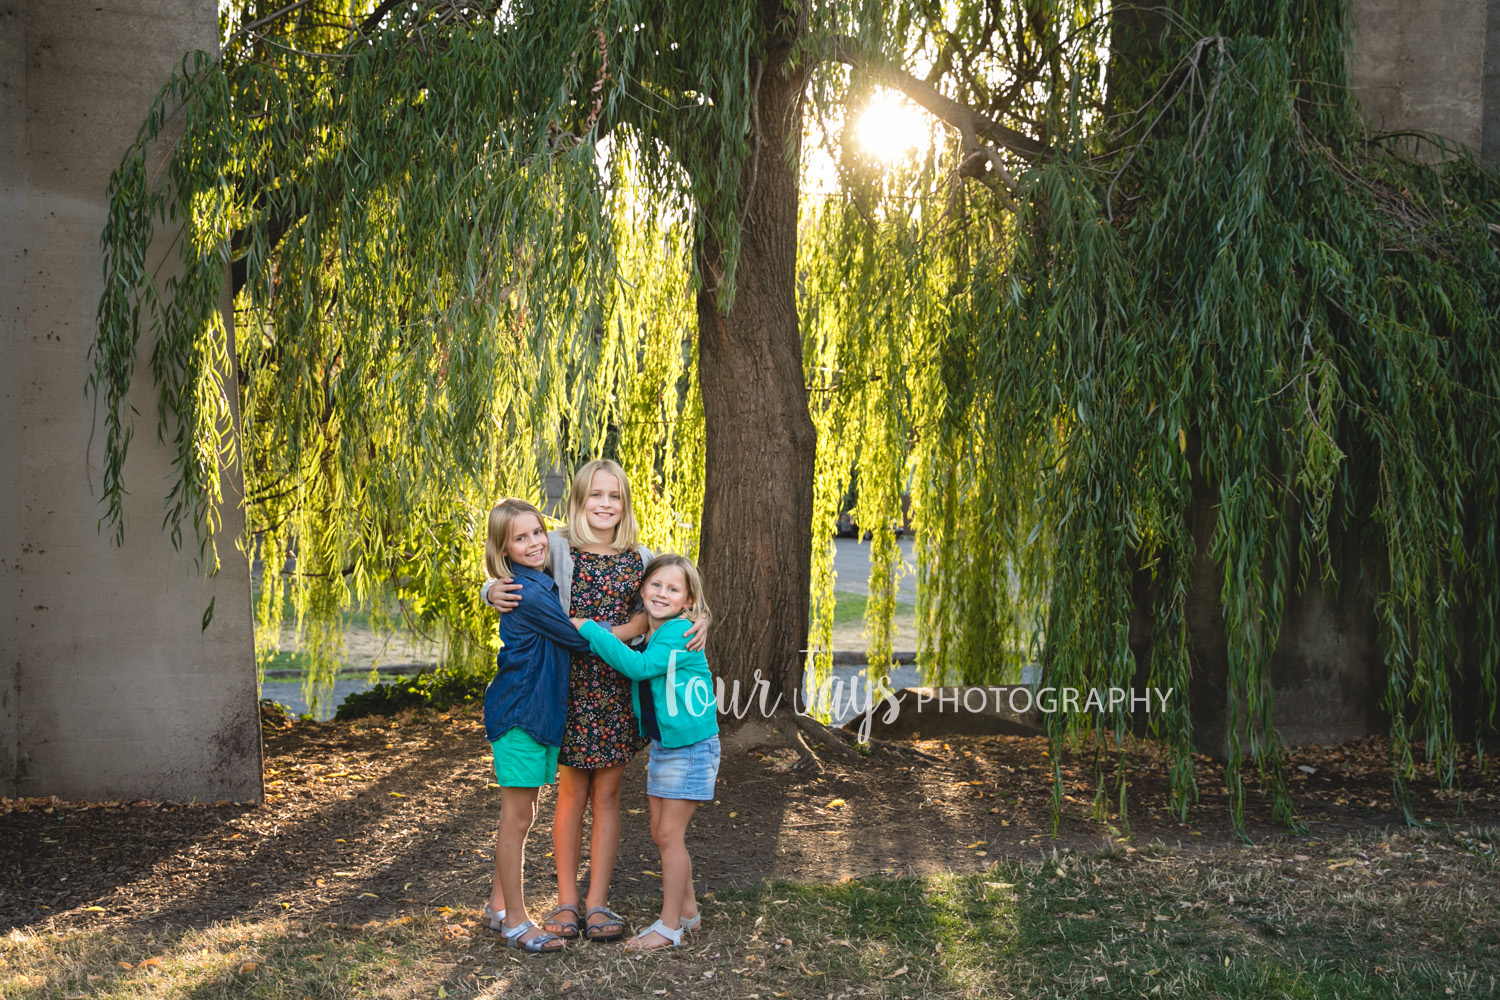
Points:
(601, 730)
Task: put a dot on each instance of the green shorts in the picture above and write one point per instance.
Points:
(522, 762)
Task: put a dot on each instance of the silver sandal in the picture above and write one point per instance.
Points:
(537, 945)
(674, 938)
(569, 927)
(596, 932)
(492, 919)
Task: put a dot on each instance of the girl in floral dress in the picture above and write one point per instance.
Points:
(597, 562)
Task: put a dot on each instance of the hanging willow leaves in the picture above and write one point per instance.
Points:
(1233, 342)
(1154, 324)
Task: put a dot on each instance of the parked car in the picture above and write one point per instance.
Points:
(844, 526)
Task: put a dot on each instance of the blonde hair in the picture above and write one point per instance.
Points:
(698, 604)
(502, 517)
(627, 532)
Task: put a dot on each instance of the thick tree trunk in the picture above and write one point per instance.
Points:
(756, 541)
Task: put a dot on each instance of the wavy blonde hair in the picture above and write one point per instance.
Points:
(502, 518)
(698, 606)
(627, 532)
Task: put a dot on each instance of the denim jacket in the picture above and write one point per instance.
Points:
(530, 689)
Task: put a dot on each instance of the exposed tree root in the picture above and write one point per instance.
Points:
(807, 759)
(789, 730)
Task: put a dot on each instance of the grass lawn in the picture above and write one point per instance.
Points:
(849, 608)
(1408, 915)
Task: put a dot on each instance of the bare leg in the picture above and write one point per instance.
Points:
(669, 823)
(604, 834)
(517, 813)
(567, 831)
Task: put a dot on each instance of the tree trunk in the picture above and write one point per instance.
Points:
(756, 540)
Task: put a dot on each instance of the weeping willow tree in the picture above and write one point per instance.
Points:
(1216, 344)
(1152, 324)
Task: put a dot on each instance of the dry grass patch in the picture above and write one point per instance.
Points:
(1412, 914)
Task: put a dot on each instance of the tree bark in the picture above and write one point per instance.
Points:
(756, 534)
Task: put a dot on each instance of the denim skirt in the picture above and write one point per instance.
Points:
(683, 772)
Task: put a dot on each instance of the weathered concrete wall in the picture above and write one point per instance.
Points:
(12, 314)
(1490, 125)
(1420, 64)
(109, 687)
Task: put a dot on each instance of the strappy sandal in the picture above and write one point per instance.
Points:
(535, 946)
(690, 923)
(492, 920)
(569, 927)
(674, 938)
(610, 929)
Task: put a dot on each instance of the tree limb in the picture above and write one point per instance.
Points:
(960, 116)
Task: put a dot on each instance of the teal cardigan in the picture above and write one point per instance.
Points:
(681, 684)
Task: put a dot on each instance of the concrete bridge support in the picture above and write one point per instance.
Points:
(108, 687)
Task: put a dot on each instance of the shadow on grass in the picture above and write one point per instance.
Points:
(1408, 916)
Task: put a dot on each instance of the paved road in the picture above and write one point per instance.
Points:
(851, 561)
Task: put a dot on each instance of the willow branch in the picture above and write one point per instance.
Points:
(960, 116)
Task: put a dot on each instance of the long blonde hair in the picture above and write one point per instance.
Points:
(698, 606)
(502, 517)
(627, 532)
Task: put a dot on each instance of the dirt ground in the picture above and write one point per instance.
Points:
(364, 819)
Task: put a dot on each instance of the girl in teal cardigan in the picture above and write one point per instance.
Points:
(676, 709)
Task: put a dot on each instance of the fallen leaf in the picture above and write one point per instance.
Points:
(652, 874)
(154, 963)
(247, 967)
(1341, 864)
(125, 965)
(899, 972)
(94, 909)
(835, 804)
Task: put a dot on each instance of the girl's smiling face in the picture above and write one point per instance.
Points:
(665, 594)
(604, 505)
(527, 544)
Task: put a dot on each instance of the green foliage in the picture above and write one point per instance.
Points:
(432, 303)
(1231, 309)
(1214, 336)
(437, 691)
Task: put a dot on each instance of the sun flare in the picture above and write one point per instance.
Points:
(892, 128)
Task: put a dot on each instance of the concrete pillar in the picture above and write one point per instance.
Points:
(108, 686)
(1422, 64)
(1490, 125)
